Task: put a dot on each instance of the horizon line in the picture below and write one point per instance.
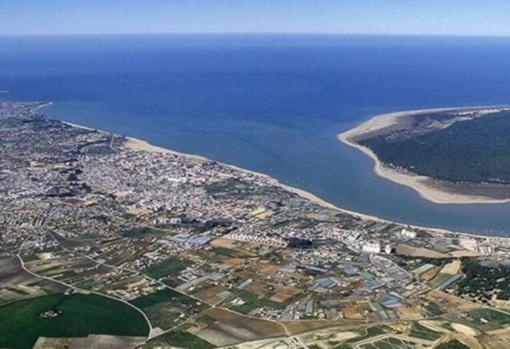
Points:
(331, 34)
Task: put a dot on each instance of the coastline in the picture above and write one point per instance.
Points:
(44, 105)
(142, 145)
(420, 184)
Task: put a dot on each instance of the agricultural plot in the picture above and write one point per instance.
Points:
(179, 339)
(439, 279)
(420, 331)
(168, 267)
(90, 342)
(391, 343)
(251, 301)
(86, 274)
(78, 315)
(490, 319)
(17, 284)
(141, 232)
(64, 267)
(370, 332)
(231, 328)
(167, 308)
(453, 344)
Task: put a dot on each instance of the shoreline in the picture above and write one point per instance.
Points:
(414, 181)
(142, 145)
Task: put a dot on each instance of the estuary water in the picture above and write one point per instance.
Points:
(269, 103)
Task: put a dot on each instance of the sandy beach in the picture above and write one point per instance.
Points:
(426, 187)
(375, 123)
(44, 105)
(141, 145)
(382, 121)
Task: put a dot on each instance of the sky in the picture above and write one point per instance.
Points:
(405, 17)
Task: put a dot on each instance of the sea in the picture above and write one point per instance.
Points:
(269, 103)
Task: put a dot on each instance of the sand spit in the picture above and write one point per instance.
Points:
(428, 188)
(79, 126)
(44, 105)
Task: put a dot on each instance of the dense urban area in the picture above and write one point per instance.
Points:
(108, 242)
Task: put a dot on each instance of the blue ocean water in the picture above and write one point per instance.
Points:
(270, 103)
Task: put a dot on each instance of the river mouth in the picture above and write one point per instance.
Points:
(272, 108)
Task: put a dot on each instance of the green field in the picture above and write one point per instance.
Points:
(81, 315)
(252, 302)
(163, 296)
(439, 279)
(164, 308)
(169, 267)
(419, 331)
(225, 252)
(453, 344)
(141, 232)
(179, 339)
(492, 316)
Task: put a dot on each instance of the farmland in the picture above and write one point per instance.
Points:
(78, 315)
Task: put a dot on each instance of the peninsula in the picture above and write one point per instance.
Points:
(449, 156)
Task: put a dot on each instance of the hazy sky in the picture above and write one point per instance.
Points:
(448, 17)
